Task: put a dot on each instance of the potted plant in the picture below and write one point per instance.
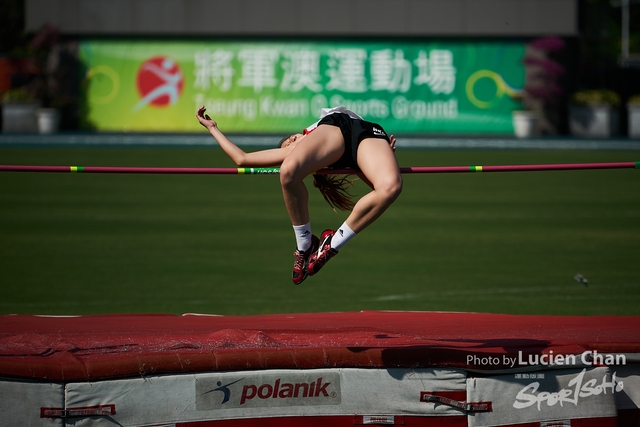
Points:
(19, 111)
(34, 104)
(593, 113)
(46, 84)
(633, 111)
(541, 88)
(525, 123)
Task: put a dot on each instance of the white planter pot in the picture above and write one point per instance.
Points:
(633, 111)
(19, 118)
(525, 124)
(48, 120)
(593, 121)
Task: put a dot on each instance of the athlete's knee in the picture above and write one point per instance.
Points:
(390, 188)
(289, 174)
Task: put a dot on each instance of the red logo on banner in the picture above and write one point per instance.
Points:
(159, 81)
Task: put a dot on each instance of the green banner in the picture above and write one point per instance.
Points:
(411, 87)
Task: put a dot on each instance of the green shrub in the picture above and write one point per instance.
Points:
(595, 97)
(17, 95)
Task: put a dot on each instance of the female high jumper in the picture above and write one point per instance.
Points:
(340, 139)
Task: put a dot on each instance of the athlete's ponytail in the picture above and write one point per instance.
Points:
(335, 191)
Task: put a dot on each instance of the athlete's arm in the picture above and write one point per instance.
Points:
(263, 158)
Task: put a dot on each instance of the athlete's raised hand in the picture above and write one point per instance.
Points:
(204, 119)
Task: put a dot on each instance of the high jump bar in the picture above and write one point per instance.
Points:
(275, 171)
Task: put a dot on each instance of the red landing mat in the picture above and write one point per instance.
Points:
(90, 348)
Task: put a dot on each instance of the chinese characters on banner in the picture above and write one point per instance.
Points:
(348, 71)
(389, 70)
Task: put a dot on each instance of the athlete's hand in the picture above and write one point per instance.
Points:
(392, 144)
(204, 119)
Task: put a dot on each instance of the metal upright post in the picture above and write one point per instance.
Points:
(625, 32)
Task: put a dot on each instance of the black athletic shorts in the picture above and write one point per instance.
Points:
(353, 131)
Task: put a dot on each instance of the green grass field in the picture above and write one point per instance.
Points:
(493, 242)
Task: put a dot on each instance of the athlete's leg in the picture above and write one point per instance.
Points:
(318, 150)
(378, 164)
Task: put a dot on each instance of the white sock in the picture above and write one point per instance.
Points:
(303, 236)
(342, 236)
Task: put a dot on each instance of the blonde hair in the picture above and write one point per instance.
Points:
(335, 190)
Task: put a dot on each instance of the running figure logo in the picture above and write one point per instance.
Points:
(159, 81)
(224, 389)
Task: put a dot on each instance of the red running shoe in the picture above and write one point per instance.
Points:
(318, 259)
(302, 259)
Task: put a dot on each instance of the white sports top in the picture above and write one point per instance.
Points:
(326, 111)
